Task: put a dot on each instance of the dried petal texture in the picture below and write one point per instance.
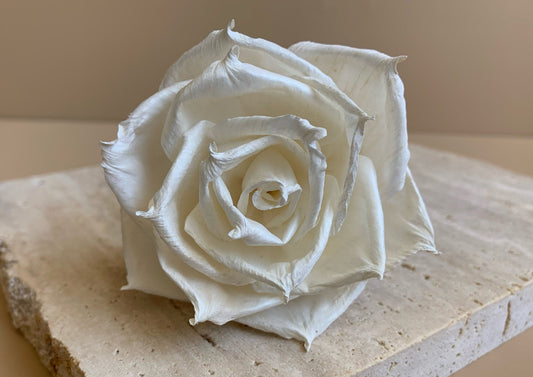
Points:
(407, 225)
(371, 80)
(176, 199)
(357, 252)
(135, 167)
(256, 51)
(251, 186)
(306, 317)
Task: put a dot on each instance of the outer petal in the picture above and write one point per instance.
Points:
(135, 167)
(144, 271)
(256, 51)
(218, 303)
(408, 228)
(230, 88)
(357, 252)
(135, 164)
(306, 317)
(370, 79)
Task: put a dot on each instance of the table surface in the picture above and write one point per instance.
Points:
(43, 146)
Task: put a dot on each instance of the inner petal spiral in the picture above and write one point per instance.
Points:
(271, 182)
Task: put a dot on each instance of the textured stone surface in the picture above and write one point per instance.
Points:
(61, 271)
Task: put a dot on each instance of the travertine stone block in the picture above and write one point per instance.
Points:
(62, 269)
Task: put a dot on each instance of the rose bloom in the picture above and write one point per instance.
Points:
(252, 186)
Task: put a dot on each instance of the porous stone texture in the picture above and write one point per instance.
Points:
(61, 270)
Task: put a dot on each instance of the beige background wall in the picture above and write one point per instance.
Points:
(469, 67)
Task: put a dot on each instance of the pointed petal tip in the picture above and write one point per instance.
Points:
(107, 143)
(394, 61)
(400, 58)
(308, 340)
(213, 148)
(231, 25)
(193, 321)
(434, 251)
(106, 146)
(150, 214)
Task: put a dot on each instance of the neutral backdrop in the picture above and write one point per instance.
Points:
(469, 66)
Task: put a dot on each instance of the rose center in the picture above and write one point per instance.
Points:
(269, 183)
(272, 195)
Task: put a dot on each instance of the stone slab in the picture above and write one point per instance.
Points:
(61, 269)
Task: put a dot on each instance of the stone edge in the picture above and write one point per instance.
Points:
(26, 316)
(508, 313)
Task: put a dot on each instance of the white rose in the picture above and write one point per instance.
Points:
(251, 186)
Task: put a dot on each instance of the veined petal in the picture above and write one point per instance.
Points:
(305, 317)
(408, 228)
(351, 176)
(144, 271)
(177, 198)
(290, 126)
(357, 251)
(256, 51)
(283, 267)
(251, 232)
(283, 128)
(230, 89)
(212, 168)
(218, 303)
(135, 164)
(370, 79)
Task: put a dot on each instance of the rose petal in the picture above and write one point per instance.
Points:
(210, 172)
(234, 88)
(278, 129)
(351, 175)
(283, 267)
(251, 232)
(290, 126)
(370, 79)
(230, 88)
(135, 164)
(357, 252)
(176, 198)
(218, 303)
(144, 271)
(256, 51)
(305, 317)
(408, 228)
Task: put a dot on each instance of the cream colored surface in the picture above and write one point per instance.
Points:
(49, 151)
(468, 68)
(458, 305)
